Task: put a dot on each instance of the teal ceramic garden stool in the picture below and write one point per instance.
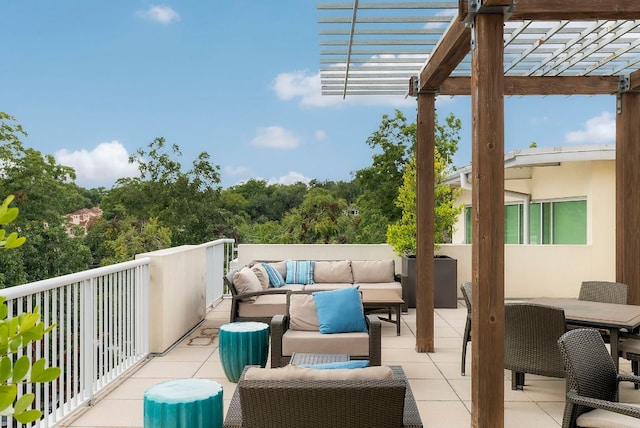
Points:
(184, 403)
(242, 344)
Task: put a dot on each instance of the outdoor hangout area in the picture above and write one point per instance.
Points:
(441, 392)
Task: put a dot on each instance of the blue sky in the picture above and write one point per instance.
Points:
(92, 81)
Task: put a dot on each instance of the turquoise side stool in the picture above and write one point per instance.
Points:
(242, 344)
(184, 403)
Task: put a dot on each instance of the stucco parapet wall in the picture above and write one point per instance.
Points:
(177, 280)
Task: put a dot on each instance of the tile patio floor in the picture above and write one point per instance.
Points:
(442, 394)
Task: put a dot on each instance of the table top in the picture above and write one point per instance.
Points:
(380, 296)
(598, 314)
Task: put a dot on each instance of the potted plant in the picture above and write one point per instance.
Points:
(401, 235)
(16, 337)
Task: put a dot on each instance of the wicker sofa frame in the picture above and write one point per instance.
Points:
(324, 403)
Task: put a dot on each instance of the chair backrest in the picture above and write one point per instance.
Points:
(322, 403)
(590, 369)
(466, 288)
(604, 291)
(531, 339)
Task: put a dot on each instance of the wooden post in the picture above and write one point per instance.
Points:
(628, 194)
(487, 88)
(425, 182)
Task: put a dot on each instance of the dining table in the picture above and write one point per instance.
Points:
(609, 316)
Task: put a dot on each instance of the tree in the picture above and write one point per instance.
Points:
(320, 219)
(402, 233)
(186, 202)
(17, 335)
(45, 192)
(395, 142)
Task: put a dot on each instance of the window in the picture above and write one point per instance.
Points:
(555, 222)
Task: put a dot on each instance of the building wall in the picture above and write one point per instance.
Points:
(555, 270)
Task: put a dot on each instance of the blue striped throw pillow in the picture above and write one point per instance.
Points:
(275, 279)
(300, 271)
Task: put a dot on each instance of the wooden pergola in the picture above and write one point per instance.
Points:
(579, 47)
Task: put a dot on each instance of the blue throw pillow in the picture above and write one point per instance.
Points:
(340, 311)
(275, 279)
(300, 271)
(353, 364)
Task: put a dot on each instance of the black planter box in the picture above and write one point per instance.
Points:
(445, 277)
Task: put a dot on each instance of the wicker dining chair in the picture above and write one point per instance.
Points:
(592, 383)
(531, 341)
(604, 291)
(613, 292)
(465, 288)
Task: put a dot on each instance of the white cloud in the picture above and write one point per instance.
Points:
(236, 170)
(600, 129)
(159, 13)
(307, 87)
(320, 135)
(291, 178)
(275, 137)
(104, 164)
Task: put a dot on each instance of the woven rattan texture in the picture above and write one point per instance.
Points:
(321, 404)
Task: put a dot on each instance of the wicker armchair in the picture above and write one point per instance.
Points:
(315, 342)
(592, 383)
(324, 403)
(466, 293)
(530, 343)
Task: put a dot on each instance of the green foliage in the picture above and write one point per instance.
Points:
(16, 335)
(401, 234)
(394, 143)
(7, 216)
(44, 191)
(134, 237)
(186, 202)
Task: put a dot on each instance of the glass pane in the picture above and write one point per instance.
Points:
(534, 224)
(511, 224)
(546, 223)
(570, 222)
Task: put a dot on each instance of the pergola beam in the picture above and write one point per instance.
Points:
(446, 56)
(634, 81)
(574, 9)
(540, 85)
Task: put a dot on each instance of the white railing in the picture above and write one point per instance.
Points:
(101, 330)
(221, 249)
(102, 327)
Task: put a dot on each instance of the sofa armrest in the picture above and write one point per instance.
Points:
(237, 298)
(375, 340)
(279, 325)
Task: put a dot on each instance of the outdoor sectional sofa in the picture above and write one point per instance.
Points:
(259, 300)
